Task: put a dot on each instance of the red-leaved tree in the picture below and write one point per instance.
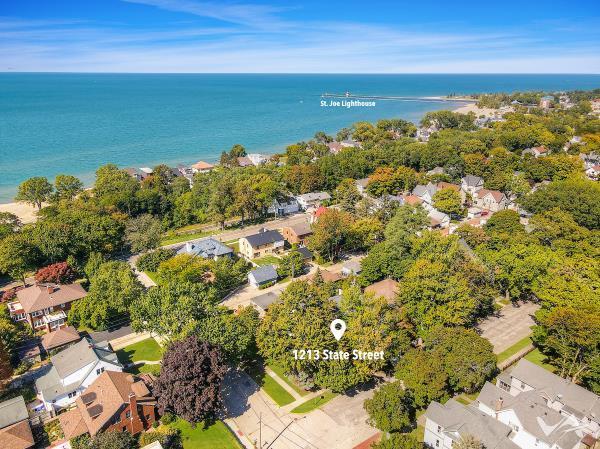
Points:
(190, 380)
(58, 273)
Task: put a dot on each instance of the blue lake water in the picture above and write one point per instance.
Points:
(73, 123)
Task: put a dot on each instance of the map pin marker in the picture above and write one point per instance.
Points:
(338, 327)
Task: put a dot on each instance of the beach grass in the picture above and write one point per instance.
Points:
(315, 402)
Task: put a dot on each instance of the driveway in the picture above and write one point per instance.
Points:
(341, 424)
(509, 325)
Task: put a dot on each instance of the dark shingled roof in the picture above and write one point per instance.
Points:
(264, 274)
(264, 237)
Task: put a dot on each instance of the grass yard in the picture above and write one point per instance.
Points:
(147, 349)
(518, 346)
(235, 245)
(314, 403)
(270, 386)
(267, 260)
(281, 373)
(144, 368)
(216, 436)
(178, 237)
(538, 358)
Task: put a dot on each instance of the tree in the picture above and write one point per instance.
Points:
(399, 441)
(347, 195)
(112, 290)
(331, 233)
(58, 273)
(143, 233)
(17, 256)
(391, 409)
(185, 268)
(6, 369)
(115, 188)
(12, 334)
(292, 264)
(9, 224)
(67, 187)
(424, 376)
(112, 440)
(172, 308)
(504, 222)
(237, 150)
(468, 441)
(190, 380)
(570, 337)
(449, 119)
(150, 261)
(366, 232)
(448, 201)
(35, 191)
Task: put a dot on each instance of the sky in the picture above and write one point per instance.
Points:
(317, 36)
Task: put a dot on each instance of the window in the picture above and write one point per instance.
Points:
(117, 419)
(537, 441)
(72, 394)
(439, 429)
(100, 370)
(128, 414)
(437, 443)
(124, 429)
(522, 386)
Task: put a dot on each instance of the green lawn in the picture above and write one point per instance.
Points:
(538, 358)
(518, 346)
(270, 386)
(216, 436)
(143, 350)
(281, 373)
(178, 238)
(144, 368)
(235, 245)
(152, 275)
(267, 260)
(314, 403)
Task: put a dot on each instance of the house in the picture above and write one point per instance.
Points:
(350, 143)
(284, 206)
(438, 219)
(264, 301)
(471, 184)
(207, 249)
(297, 234)
(261, 243)
(595, 105)
(543, 409)
(15, 431)
(436, 171)
(326, 275)
(258, 159)
(61, 338)
(314, 217)
(446, 424)
(535, 151)
(115, 401)
(138, 174)
(335, 147)
(546, 102)
(352, 268)
(425, 193)
(361, 185)
(492, 200)
(412, 200)
(313, 199)
(264, 275)
(244, 161)
(423, 134)
(307, 255)
(593, 172)
(202, 167)
(45, 306)
(73, 370)
(387, 288)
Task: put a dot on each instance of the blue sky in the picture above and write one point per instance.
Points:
(451, 36)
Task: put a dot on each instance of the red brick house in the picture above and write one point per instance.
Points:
(116, 401)
(45, 306)
(297, 233)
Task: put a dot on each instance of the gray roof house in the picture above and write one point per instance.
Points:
(73, 370)
(447, 423)
(264, 237)
(15, 432)
(543, 408)
(471, 184)
(425, 192)
(264, 301)
(351, 268)
(312, 199)
(262, 275)
(207, 249)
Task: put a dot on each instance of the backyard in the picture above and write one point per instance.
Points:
(267, 260)
(145, 350)
(270, 386)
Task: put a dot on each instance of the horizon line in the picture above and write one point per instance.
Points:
(300, 73)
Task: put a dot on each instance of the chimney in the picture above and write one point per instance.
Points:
(133, 406)
(50, 289)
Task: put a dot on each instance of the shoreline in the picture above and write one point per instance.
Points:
(25, 212)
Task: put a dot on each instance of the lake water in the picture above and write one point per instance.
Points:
(73, 123)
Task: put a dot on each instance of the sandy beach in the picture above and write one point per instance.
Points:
(466, 108)
(25, 212)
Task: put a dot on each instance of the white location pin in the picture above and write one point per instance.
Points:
(338, 327)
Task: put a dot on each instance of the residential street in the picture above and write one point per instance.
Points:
(511, 325)
(340, 424)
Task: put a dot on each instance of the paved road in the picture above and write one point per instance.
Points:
(510, 325)
(340, 425)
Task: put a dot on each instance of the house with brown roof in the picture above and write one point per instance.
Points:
(536, 151)
(202, 167)
(387, 288)
(60, 339)
(114, 402)
(492, 200)
(45, 306)
(15, 431)
(297, 234)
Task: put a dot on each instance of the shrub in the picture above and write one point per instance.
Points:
(58, 273)
(150, 261)
(168, 418)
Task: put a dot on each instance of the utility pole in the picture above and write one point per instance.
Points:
(284, 429)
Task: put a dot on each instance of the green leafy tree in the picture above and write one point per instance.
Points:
(143, 233)
(292, 264)
(112, 440)
(391, 409)
(17, 256)
(115, 188)
(113, 289)
(399, 441)
(347, 195)
(9, 224)
(185, 268)
(34, 191)
(448, 201)
(366, 232)
(150, 261)
(67, 187)
(424, 376)
(331, 233)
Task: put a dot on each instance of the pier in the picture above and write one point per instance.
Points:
(399, 98)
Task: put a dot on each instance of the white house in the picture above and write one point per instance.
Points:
(312, 199)
(593, 172)
(202, 167)
(284, 206)
(536, 151)
(543, 410)
(425, 193)
(438, 219)
(492, 200)
(72, 371)
(262, 276)
(258, 159)
(447, 423)
(471, 184)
